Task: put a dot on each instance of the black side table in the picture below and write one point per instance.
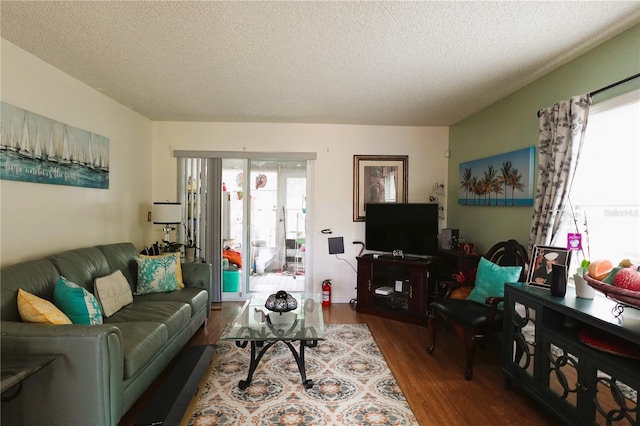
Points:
(14, 370)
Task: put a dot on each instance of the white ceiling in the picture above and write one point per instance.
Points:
(424, 63)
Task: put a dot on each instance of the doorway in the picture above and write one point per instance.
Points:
(264, 221)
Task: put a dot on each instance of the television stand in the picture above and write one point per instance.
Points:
(410, 280)
(406, 258)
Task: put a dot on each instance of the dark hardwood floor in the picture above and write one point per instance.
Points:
(434, 385)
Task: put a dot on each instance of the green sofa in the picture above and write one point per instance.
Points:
(98, 371)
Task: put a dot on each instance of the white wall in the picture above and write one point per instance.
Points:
(39, 219)
(335, 146)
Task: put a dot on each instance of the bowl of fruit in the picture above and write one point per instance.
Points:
(620, 283)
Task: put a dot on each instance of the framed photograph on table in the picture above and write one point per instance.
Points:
(542, 260)
(378, 179)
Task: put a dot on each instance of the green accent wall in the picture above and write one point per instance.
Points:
(512, 123)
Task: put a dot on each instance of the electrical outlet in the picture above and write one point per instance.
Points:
(148, 216)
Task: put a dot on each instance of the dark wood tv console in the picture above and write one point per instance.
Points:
(395, 288)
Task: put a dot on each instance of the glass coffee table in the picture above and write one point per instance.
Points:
(257, 326)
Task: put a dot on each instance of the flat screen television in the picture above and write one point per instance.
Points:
(410, 227)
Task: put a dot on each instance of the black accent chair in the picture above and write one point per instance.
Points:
(475, 319)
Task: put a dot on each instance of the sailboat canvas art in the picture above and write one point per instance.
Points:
(38, 149)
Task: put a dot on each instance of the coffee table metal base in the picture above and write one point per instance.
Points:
(257, 356)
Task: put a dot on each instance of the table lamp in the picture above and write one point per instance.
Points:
(167, 213)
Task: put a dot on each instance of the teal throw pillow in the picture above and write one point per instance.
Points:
(157, 274)
(77, 303)
(490, 280)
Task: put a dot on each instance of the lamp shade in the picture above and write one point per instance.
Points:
(166, 212)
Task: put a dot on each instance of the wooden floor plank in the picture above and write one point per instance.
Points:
(434, 385)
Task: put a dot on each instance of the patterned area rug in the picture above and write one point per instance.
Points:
(353, 385)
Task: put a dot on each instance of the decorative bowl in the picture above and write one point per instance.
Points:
(620, 295)
(281, 302)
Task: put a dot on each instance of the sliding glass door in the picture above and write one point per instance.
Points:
(248, 215)
(264, 219)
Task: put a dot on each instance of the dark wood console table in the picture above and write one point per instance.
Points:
(395, 288)
(544, 354)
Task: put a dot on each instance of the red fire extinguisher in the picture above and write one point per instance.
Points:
(326, 293)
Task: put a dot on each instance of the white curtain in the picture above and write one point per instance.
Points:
(561, 135)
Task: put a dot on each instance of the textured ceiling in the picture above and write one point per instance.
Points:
(388, 63)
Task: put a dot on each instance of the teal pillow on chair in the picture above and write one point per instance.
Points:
(77, 303)
(157, 274)
(490, 280)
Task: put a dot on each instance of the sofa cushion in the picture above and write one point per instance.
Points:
(175, 315)
(38, 277)
(157, 274)
(122, 257)
(113, 293)
(142, 340)
(195, 297)
(34, 309)
(82, 266)
(77, 303)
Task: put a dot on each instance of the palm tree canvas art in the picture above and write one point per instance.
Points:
(501, 180)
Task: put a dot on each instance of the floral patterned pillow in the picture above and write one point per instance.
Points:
(157, 274)
(178, 267)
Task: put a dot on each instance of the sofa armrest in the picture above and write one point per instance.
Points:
(197, 275)
(18, 330)
(83, 385)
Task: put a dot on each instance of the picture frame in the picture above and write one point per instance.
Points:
(372, 174)
(542, 258)
(38, 149)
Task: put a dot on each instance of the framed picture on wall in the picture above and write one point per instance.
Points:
(501, 180)
(38, 149)
(378, 179)
(542, 260)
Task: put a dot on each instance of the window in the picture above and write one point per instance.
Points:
(606, 188)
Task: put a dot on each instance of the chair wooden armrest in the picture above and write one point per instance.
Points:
(493, 301)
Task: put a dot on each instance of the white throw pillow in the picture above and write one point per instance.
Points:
(113, 292)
